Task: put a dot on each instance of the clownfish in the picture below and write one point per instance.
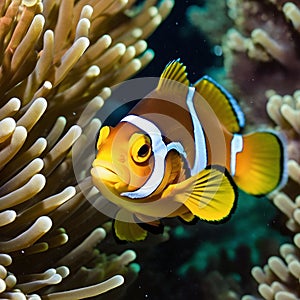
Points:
(180, 153)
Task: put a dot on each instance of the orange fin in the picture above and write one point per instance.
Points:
(223, 104)
(173, 74)
(126, 229)
(188, 217)
(261, 166)
(210, 195)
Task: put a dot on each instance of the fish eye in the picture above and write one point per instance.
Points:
(140, 147)
(144, 150)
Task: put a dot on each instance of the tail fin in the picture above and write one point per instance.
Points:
(261, 166)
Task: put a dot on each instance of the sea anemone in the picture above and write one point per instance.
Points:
(58, 58)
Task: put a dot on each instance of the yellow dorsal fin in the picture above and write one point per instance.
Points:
(210, 195)
(174, 71)
(223, 104)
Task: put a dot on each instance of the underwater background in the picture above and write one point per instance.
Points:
(205, 261)
(58, 62)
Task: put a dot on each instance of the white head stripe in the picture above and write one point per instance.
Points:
(236, 147)
(178, 147)
(160, 152)
(200, 143)
(142, 123)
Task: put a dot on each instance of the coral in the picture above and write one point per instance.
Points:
(279, 279)
(58, 58)
(261, 55)
(200, 15)
(260, 48)
(261, 51)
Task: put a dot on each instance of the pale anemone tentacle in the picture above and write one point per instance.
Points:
(58, 59)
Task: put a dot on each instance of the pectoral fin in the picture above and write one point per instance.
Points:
(210, 195)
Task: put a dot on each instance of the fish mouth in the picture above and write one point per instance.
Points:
(105, 174)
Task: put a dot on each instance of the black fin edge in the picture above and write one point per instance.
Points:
(235, 189)
(233, 102)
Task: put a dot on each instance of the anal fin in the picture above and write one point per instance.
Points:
(150, 224)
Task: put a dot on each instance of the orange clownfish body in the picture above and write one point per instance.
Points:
(179, 153)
